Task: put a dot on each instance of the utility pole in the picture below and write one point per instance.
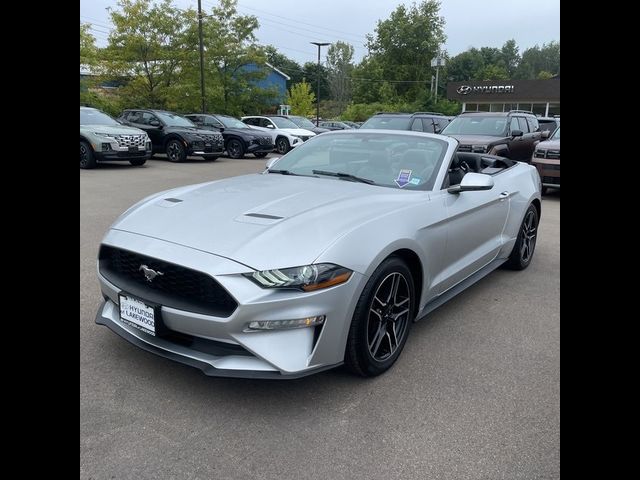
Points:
(201, 54)
(437, 62)
(318, 87)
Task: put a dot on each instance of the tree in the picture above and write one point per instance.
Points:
(536, 59)
(310, 73)
(88, 51)
(405, 43)
(492, 72)
(149, 44)
(465, 66)
(301, 98)
(231, 57)
(284, 63)
(340, 66)
(510, 57)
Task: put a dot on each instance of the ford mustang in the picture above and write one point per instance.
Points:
(325, 258)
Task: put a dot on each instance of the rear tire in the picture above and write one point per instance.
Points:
(382, 319)
(87, 158)
(136, 162)
(525, 245)
(175, 151)
(235, 149)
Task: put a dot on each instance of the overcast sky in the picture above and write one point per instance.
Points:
(291, 24)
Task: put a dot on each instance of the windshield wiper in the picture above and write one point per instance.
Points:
(282, 172)
(344, 175)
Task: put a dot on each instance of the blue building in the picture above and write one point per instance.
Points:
(274, 77)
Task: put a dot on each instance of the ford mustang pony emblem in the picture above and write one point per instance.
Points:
(149, 273)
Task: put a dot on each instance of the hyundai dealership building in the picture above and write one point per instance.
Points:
(542, 97)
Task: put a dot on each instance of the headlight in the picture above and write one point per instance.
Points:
(307, 278)
(479, 148)
(105, 135)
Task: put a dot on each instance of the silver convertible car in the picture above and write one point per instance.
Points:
(327, 257)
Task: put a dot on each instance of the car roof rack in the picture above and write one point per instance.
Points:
(429, 113)
(521, 111)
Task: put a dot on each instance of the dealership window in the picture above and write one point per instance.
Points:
(496, 107)
(539, 108)
(471, 107)
(524, 106)
(483, 107)
(510, 106)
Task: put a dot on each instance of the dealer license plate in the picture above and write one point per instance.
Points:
(138, 314)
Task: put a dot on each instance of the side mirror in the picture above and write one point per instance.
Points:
(516, 133)
(271, 161)
(154, 123)
(270, 126)
(473, 182)
(437, 129)
(545, 134)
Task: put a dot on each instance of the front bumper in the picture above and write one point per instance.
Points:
(219, 346)
(123, 155)
(549, 171)
(215, 149)
(260, 148)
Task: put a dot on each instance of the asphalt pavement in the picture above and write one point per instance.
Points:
(475, 394)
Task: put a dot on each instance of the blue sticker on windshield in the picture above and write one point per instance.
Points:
(404, 177)
(415, 181)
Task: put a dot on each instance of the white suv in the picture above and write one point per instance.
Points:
(286, 134)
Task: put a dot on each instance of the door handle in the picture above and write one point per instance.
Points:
(504, 194)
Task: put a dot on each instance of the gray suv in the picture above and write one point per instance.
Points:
(512, 134)
(430, 122)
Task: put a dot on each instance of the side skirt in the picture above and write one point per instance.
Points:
(460, 287)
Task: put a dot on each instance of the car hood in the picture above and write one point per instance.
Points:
(113, 129)
(264, 221)
(300, 132)
(476, 139)
(549, 144)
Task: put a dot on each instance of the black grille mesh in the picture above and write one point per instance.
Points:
(177, 287)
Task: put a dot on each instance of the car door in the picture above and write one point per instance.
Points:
(529, 139)
(154, 131)
(517, 145)
(475, 222)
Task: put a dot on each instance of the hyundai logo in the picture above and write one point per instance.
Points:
(464, 89)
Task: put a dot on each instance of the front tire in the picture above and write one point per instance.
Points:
(525, 245)
(282, 145)
(87, 158)
(136, 162)
(235, 149)
(382, 319)
(175, 151)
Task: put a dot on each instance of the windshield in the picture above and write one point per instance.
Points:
(95, 117)
(302, 122)
(477, 125)
(283, 122)
(390, 160)
(556, 135)
(173, 120)
(231, 122)
(391, 123)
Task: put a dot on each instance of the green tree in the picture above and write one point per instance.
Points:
(536, 59)
(88, 51)
(284, 63)
(340, 66)
(310, 73)
(231, 50)
(404, 44)
(544, 75)
(301, 98)
(465, 66)
(510, 57)
(150, 44)
(492, 72)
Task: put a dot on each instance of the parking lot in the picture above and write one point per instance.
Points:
(475, 394)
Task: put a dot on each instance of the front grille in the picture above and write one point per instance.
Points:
(464, 148)
(304, 139)
(554, 180)
(215, 138)
(130, 140)
(554, 154)
(177, 287)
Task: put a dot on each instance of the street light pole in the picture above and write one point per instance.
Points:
(201, 55)
(318, 81)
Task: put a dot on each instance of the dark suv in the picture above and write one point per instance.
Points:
(239, 138)
(429, 122)
(513, 134)
(174, 135)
